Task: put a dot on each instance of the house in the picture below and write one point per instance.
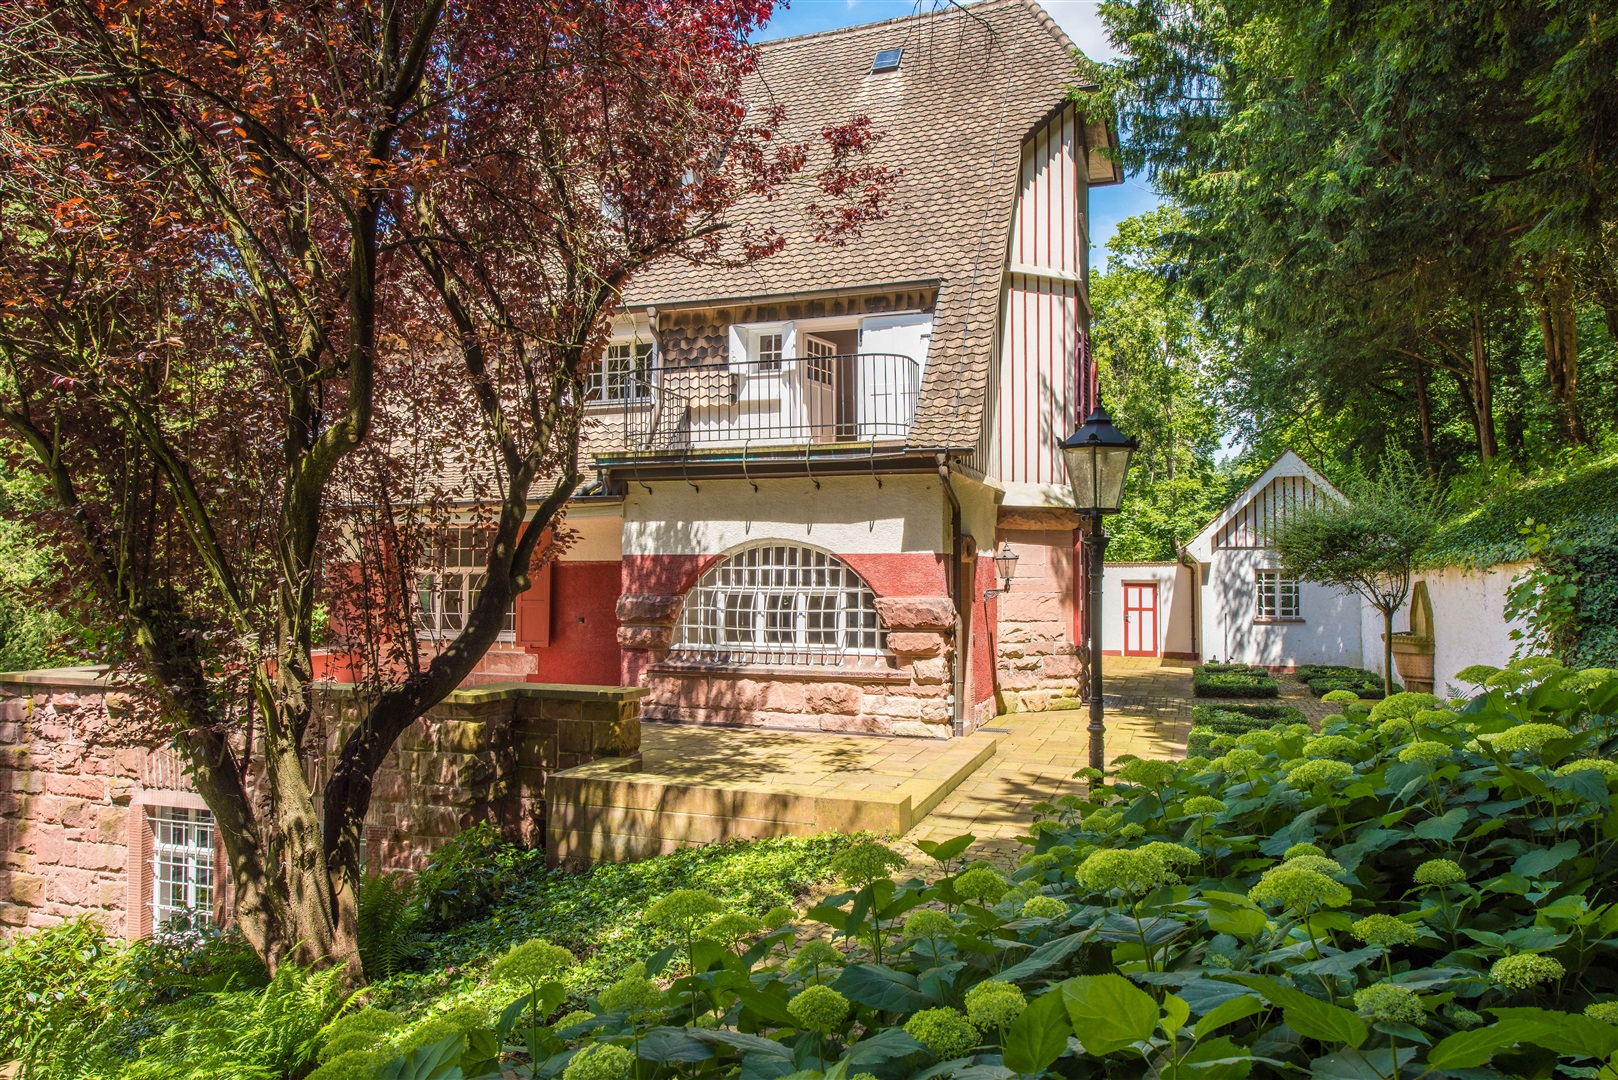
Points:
(797, 463)
(1226, 597)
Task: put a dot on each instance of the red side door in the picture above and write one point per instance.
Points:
(1140, 618)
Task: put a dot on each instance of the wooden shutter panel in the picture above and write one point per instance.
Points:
(534, 610)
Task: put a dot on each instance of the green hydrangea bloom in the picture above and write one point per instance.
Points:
(1294, 730)
(438, 1026)
(1242, 759)
(1605, 1011)
(1044, 827)
(1041, 862)
(600, 1061)
(994, 1004)
(683, 910)
(733, 926)
(353, 1065)
(1320, 864)
(1425, 752)
(531, 963)
(1526, 970)
(1583, 681)
(1439, 873)
(1344, 697)
(1305, 848)
(945, 1032)
(1316, 771)
(1465, 1018)
(1263, 741)
(361, 1030)
(818, 1008)
(1194, 764)
(1172, 854)
(1043, 907)
(1201, 805)
(1527, 738)
(1536, 665)
(1396, 728)
(1134, 872)
(1298, 889)
(981, 883)
(1329, 746)
(632, 993)
(1476, 674)
(1132, 831)
(928, 923)
(1389, 1003)
(567, 1020)
(1152, 774)
(1090, 773)
(1221, 744)
(819, 953)
(1434, 718)
(1043, 809)
(1608, 769)
(1384, 931)
(865, 862)
(1403, 706)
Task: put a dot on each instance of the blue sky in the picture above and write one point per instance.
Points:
(1108, 205)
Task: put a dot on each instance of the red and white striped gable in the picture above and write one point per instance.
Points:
(1254, 517)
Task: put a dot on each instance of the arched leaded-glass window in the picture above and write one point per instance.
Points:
(779, 603)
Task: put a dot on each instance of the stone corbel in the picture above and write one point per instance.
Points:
(918, 626)
(646, 621)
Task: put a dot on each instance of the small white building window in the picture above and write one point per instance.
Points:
(182, 863)
(624, 373)
(445, 594)
(767, 354)
(1277, 596)
(773, 603)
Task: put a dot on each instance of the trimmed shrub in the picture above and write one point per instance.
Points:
(1367, 685)
(1211, 721)
(1233, 681)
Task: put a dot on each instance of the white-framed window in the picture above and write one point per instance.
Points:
(767, 352)
(182, 863)
(447, 593)
(1277, 596)
(819, 360)
(624, 373)
(781, 603)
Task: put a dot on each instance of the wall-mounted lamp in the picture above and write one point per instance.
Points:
(1005, 565)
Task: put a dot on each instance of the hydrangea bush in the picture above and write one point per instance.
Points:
(1422, 889)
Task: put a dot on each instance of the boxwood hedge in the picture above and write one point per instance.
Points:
(1233, 681)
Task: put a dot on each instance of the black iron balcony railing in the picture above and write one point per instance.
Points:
(797, 401)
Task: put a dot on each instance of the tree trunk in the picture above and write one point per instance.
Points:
(1387, 649)
(1482, 388)
(1560, 331)
(1425, 411)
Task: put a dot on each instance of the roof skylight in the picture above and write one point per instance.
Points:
(886, 60)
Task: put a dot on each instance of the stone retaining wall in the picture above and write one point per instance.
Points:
(74, 830)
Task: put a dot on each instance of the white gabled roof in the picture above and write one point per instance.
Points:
(1288, 464)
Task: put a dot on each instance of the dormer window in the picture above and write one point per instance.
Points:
(886, 60)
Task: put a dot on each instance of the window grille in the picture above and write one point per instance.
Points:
(624, 373)
(782, 604)
(769, 352)
(818, 359)
(182, 863)
(1277, 596)
(445, 596)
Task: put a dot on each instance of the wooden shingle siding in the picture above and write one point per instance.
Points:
(1257, 523)
(1044, 385)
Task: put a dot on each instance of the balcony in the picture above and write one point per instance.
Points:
(818, 403)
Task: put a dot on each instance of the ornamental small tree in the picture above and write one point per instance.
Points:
(1368, 543)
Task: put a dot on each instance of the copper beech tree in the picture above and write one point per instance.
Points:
(273, 270)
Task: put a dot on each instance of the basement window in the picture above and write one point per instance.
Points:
(182, 864)
(886, 60)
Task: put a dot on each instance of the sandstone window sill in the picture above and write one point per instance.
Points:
(1273, 622)
(806, 672)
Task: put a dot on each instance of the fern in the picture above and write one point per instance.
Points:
(387, 929)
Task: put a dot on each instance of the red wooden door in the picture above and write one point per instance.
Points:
(1140, 618)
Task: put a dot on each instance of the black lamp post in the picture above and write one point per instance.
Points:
(1097, 457)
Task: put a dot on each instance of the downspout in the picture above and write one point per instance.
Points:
(957, 579)
(1196, 592)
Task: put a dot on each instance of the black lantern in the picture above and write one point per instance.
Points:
(1005, 565)
(1097, 458)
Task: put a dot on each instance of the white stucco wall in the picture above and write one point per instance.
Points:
(846, 514)
(1329, 632)
(1469, 622)
(1174, 585)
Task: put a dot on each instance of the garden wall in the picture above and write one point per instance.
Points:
(1469, 621)
(76, 811)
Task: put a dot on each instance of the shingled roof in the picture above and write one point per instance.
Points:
(974, 82)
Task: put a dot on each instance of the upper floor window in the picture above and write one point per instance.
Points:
(767, 353)
(1277, 596)
(446, 593)
(624, 373)
(182, 863)
(775, 603)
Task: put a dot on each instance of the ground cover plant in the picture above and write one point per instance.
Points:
(1322, 679)
(1418, 890)
(1233, 681)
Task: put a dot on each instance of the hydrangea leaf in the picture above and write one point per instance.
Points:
(1109, 1012)
(1309, 1017)
(1443, 828)
(1039, 1036)
(885, 1045)
(665, 1044)
(880, 987)
(1566, 1033)
(1470, 1049)
(1228, 1013)
(1046, 956)
(1535, 863)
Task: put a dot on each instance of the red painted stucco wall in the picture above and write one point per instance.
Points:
(583, 644)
